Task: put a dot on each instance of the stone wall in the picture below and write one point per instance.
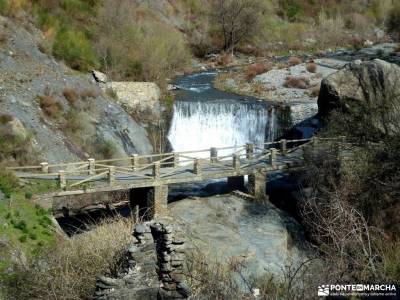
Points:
(152, 267)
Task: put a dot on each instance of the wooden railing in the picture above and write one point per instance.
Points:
(159, 166)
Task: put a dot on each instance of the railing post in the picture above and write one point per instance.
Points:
(213, 154)
(176, 160)
(197, 166)
(135, 161)
(249, 150)
(135, 213)
(236, 162)
(314, 141)
(92, 166)
(283, 146)
(111, 175)
(156, 170)
(272, 157)
(45, 167)
(62, 181)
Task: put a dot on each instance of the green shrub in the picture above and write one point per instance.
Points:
(8, 182)
(28, 195)
(106, 149)
(75, 49)
(22, 238)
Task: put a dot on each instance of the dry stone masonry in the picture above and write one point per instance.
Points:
(152, 267)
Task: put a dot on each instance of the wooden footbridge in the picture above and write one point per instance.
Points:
(153, 173)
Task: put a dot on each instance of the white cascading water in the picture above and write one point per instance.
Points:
(198, 125)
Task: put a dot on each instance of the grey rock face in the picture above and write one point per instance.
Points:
(370, 88)
(226, 227)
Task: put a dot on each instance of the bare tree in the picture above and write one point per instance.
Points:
(237, 20)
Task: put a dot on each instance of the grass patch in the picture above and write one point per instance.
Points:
(72, 265)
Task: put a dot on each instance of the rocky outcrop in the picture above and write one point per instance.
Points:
(369, 89)
(152, 269)
(136, 95)
(229, 227)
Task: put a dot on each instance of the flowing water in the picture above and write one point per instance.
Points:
(204, 117)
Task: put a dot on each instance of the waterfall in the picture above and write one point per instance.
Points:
(203, 124)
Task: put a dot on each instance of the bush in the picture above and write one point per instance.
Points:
(70, 95)
(257, 69)
(225, 59)
(106, 149)
(5, 118)
(333, 30)
(293, 61)
(89, 93)
(75, 49)
(141, 51)
(393, 21)
(71, 265)
(311, 67)
(49, 105)
(296, 82)
(8, 182)
(73, 121)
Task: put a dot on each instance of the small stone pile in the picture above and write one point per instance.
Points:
(152, 267)
(170, 250)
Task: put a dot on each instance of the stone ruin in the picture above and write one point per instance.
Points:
(152, 267)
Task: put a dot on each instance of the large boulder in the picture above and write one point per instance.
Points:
(369, 90)
(228, 227)
(136, 95)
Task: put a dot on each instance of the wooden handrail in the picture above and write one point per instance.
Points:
(166, 156)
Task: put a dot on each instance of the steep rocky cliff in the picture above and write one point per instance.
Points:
(66, 112)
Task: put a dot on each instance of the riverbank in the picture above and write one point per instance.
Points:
(295, 79)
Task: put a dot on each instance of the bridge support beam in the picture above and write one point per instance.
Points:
(236, 183)
(157, 201)
(257, 185)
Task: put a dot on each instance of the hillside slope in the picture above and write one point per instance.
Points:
(66, 113)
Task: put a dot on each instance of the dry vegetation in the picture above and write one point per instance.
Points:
(311, 67)
(297, 82)
(294, 61)
(71, 265)
(49, 105)
(71, 96)
(257, 69)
